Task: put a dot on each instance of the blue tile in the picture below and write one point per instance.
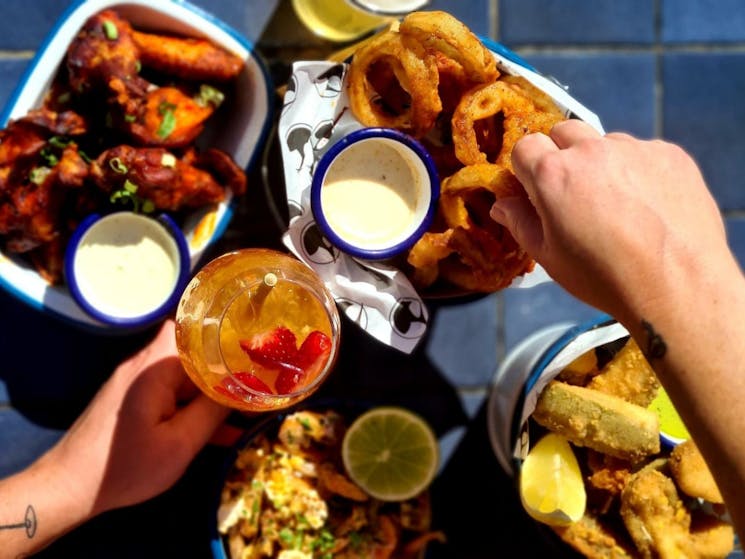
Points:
(528, 310)
(736, 237)
(474, 13)
(619, 88)
(32, 22)
(576, 21)
(462, 341)
(11, 70)
(703, 111)
(22, 441)
(710, 21)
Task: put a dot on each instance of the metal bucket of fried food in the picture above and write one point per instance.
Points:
(575, 416)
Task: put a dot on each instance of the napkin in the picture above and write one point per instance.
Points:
(377, 297)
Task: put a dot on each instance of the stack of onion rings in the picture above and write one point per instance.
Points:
(433, 78)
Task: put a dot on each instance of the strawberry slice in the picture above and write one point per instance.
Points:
(230, 388)
(316, 346)
(288, 379)
(276, 349)
(311, 358)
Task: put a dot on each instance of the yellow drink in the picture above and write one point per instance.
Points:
(227, 323)
(336, 20)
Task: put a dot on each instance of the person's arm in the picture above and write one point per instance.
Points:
(630, 227)
(134, 440)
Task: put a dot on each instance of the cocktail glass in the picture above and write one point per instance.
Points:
(257, 330)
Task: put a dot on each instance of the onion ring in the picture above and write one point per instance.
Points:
(417, 74)
(479, 103)
(474, 252)
(439, 31)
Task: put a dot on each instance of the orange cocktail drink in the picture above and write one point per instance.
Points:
(257, 330)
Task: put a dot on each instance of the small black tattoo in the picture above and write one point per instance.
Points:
(656, 346)
(29, 523)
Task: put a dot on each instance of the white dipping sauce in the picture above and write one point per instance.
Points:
(126, 265)
(371, 195)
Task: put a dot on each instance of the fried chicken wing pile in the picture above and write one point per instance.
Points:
(434, 79)
(643, 501)
(287, 495)
(122, 116)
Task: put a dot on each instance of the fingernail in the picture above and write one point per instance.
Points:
(497, 213)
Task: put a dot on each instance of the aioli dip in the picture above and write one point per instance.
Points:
(372, 193)
(126, 265)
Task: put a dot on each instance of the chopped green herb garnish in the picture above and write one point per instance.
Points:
(49, 156)
(130, 118)
(305, 423)
(63, 98)
(130, 187)
(167, 111)
(59, 142)
(39, 174)
(128, 193)
(286, 535)
(208, 95)
(117, 166)
(110, 30)
(138, 66)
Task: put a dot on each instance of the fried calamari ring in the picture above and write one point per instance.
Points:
(467, 196)
(484, 264)
(474, 253)
(425, 256)
(482, 102)
(542, 101)
(518, 125)
(439, 31)
(415, 70)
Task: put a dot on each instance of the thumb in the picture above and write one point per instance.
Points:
(518, 215)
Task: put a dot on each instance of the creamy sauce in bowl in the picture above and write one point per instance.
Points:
(370, 194)
(375, 194)
(126, 265)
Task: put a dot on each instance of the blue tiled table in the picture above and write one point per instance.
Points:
(654, 68)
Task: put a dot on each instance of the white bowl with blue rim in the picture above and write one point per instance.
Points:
(239, 134)
(374, 192)
(127, 270)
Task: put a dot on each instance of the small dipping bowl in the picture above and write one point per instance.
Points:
(126, 269)
(374, 193)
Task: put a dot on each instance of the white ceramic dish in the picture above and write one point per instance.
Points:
(240, 135)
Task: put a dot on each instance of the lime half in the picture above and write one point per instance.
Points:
(551, 486)
(391, 453)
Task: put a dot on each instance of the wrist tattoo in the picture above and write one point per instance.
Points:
(29, 523)
(655, 346)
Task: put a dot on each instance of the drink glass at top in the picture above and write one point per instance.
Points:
(257, 330)
(346, 20)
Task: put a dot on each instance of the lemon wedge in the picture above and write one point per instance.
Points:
(551, 486)
(670, 422)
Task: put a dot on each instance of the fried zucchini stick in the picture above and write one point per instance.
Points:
(599, 421)
(628, 376)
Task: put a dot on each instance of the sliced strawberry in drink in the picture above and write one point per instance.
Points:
(251, 381)
(288, 379)
(276, 349)
(311, 358)
(232, 389)
(315, 347)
